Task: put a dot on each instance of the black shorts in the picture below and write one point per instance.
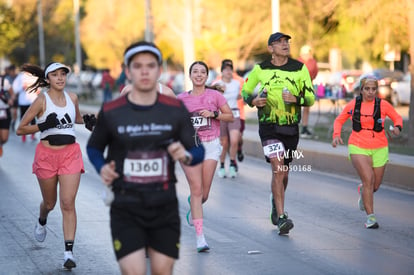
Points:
(5, 121)
(135, 226)
(288, 135)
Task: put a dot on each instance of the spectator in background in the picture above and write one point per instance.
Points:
(122, 80)
(107, 84)
(307, 58)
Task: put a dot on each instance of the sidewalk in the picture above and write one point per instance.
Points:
(321, 156)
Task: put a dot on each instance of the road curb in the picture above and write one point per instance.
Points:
(399, 172)
(321, 156)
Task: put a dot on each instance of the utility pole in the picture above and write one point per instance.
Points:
(188, 40)
(275, 16)
(41, 34)
(149, 36)
(77, 45)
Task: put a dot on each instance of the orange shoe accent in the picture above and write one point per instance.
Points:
(24, 138)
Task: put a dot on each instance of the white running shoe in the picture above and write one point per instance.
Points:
(40, 232)
(68, 260)
(233, 172)
(221, 173)
(202, 245)
(371, 222)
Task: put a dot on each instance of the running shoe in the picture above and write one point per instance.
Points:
(305, 133)
(274, 217)
(68, 260)
(202, 245)
(285, 224)
(40, 232)
(371, 222)
(189, 218)
(222, 173)
(360, 201)
(240, 155)
(233, 171)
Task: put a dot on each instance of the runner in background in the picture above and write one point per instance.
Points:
(25, 99)
(6, 101)
(307, 58)
(229, 131)
(240, 105)
(11, 75)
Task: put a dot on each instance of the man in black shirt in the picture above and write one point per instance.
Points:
(145, 133)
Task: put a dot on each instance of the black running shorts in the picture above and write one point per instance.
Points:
(288, 137)
(5, 122)
(135, 226)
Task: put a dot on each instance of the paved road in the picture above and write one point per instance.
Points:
(328, 238)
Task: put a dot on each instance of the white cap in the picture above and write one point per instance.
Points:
(142, 48)
(55, 66)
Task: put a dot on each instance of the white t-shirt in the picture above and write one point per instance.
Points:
(231, 92)
(20, 84)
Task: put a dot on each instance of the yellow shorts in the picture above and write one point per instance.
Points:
(379, 156)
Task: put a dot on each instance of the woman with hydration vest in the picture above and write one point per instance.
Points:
(368, 144)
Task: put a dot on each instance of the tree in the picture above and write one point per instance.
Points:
(21, 19)
(9, 32)
(108, 28)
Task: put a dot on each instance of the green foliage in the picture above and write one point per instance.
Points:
(222, 29)
(9, 32)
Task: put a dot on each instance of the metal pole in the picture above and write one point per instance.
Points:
(41, 34)
(275, 16)
(77, 45)
(188, 41)
(148, 22)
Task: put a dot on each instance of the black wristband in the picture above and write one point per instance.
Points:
(216, 114)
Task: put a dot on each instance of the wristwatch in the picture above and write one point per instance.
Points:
(216, 114)
(187, 159)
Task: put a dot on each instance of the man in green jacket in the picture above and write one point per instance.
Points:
(285, 86)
